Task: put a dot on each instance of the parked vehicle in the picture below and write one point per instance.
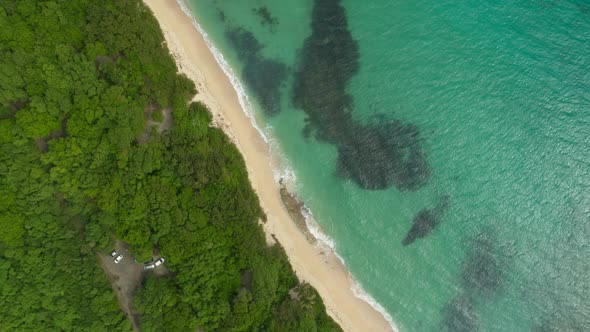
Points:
(159, 262)
(153, 265)
(118, 259)
(114, 253)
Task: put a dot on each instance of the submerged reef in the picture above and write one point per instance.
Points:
(382, 154)
(481, 278)
(263, 76)
(459, 315)
(426, 221)
(266, 17)
(221, 15)
(481, 272)
(374, 155)
(565, 318)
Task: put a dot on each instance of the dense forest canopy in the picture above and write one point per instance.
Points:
(85, 158)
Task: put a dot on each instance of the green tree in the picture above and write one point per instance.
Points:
(77, 78)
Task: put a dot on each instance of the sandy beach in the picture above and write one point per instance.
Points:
(322, 269)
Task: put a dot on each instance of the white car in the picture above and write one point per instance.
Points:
(159, 262)
(149, 266)
(114, 253)
(118, 259)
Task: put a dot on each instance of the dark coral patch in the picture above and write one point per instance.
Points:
(266, 18)
(374, 155)
(459, 315)
(426, 221)
(328, 60)
(263, 76)
(244, 42)
(481, 277)
(383, 154)
(565, 318)
(221, 15)
(482, 271)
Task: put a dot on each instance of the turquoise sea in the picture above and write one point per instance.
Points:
(444, 146)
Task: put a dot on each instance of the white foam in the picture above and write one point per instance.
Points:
(283, 171)
(316, 230)
(326, 242)
(359, 292)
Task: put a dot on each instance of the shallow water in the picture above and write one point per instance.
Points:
(463, 128)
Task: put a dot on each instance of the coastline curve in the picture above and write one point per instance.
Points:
(283, 171)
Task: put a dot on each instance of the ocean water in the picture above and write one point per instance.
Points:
(443, 146)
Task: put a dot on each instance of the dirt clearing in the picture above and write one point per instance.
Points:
(125, 277)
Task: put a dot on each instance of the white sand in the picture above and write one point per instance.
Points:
(323, 270)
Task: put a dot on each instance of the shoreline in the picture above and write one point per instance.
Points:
(320, 268)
